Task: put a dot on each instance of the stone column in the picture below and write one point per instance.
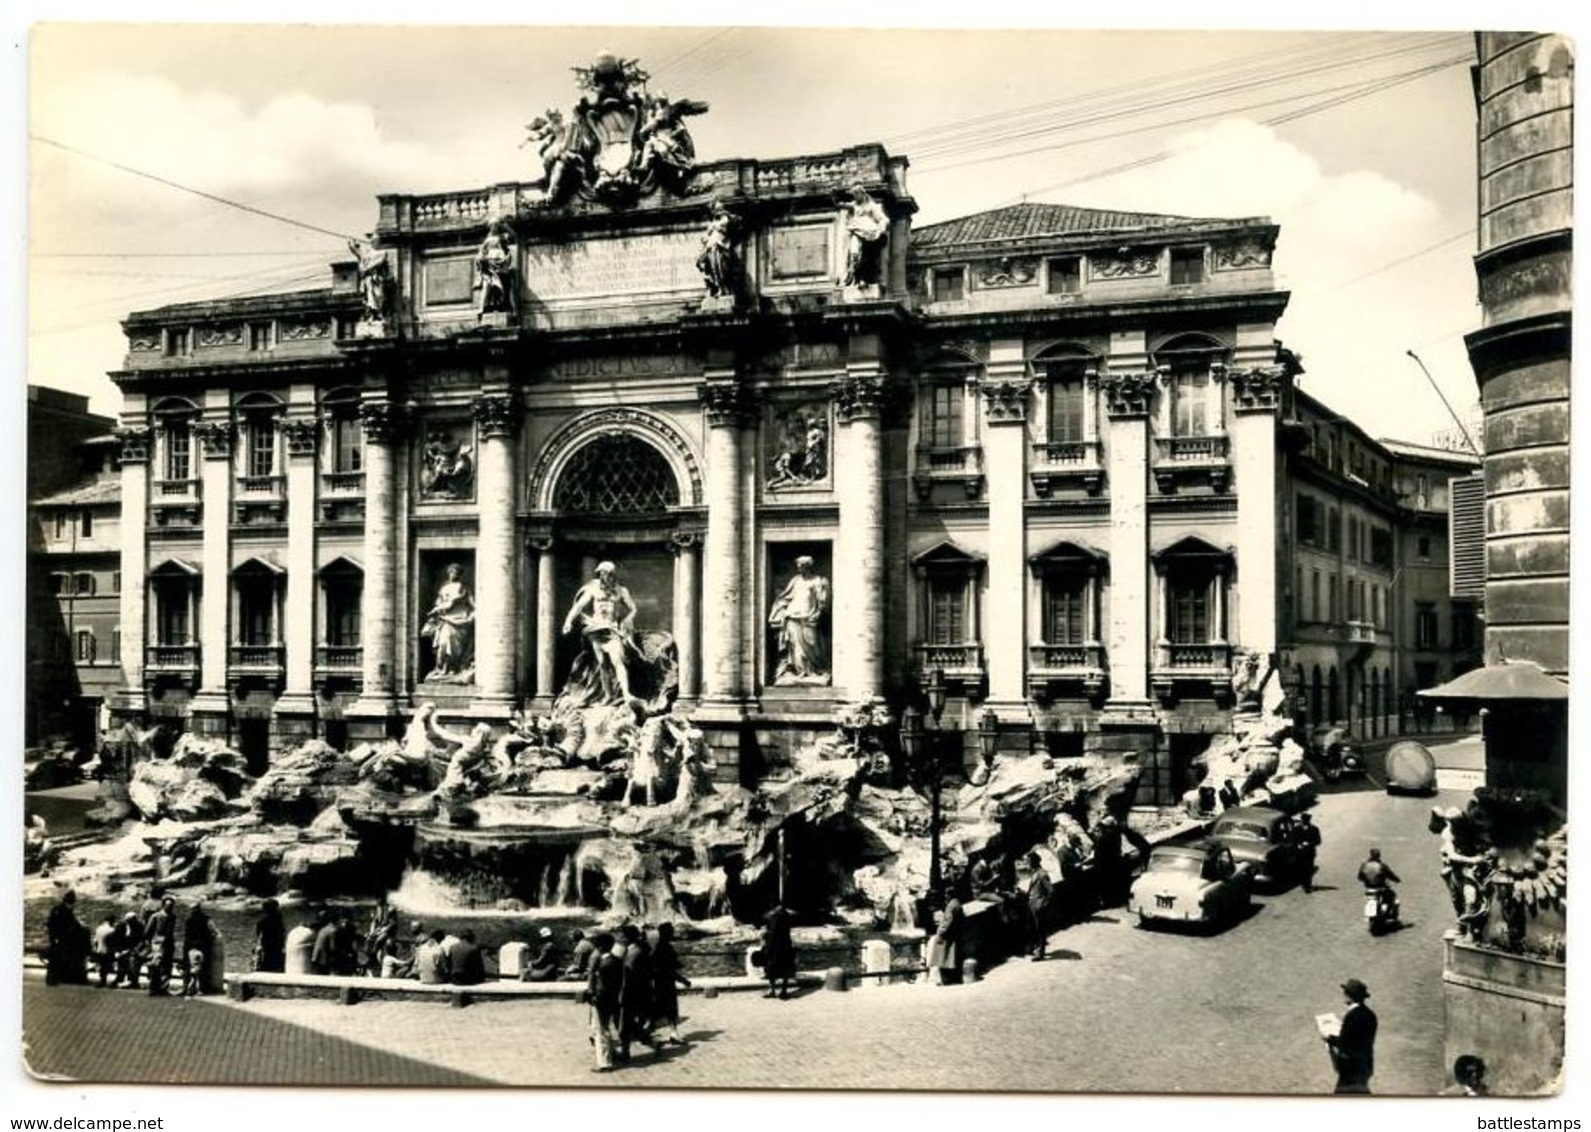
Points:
(858, 661)
(210, 707)
(1129, 398)
(546, 619)
(1256, 397)
(725, 568)
(135, 598)
(295, 709)
(1006, 388)
(496, 584)
(687, 610)
(368, 717)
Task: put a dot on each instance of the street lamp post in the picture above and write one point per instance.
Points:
(988, 737)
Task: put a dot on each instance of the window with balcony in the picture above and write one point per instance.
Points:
(950, 285)
(257, 589)
(342, 583)
(1190, 402)
(261, 433)
(1064, 275)
(1066, 393)
(1069, 577)
(948, 636)
(943, 411)
(1192, 577)
(175, 587)
(1187, 266)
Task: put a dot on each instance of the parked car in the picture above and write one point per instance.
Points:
(1201, 883)
(1331, 752)
(1262, 837)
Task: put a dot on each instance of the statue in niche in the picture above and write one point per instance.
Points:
(798, 616)
(718, 262)
(618, 666)
(495, 272)
(375, 277)
(449, 471)
(450, 625)
(865, 227)
(803, 454)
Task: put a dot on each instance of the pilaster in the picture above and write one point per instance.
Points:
(1129, 400)
(211, 704)
(300, 434)
(1256, 396)
(1006, 391)
(686, 547)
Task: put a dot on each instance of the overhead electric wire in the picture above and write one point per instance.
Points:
(187, 188)
(688, 52)
(299, 252)
(928, 154)
(1389, 265)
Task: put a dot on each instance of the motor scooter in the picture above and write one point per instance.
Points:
(1381, 910)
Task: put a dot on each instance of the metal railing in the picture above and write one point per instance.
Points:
(343, 483)
(1067, 455)
(181, 489)
(952, 658)
(261, 485)
(1207, 656)
(339, 656)
(170, 658)
(1053, 658)
(257, 656)
(1191, 449)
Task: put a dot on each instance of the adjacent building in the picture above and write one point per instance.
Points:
(1040, 455)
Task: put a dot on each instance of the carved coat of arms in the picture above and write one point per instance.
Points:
(619, 143)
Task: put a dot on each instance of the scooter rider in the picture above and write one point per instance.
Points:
(1378, 878)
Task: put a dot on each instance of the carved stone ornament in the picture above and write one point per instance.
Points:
(1005, 401)
(1129, 394)
(134, 445)
(719, 260)
(1247, 253)
(1258, 389)
(1007, 272)
(619, 143)
(300, 435)
(304, 331)
(144, 343)
(215, 437)
(798, 445)
(497, 414)
(382, 421)
(726, 403)
(860, 398)
(1125, 263)
(447, 461)
(212, 336)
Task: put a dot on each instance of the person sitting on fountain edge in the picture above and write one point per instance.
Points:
(580, 960)
(543, 966)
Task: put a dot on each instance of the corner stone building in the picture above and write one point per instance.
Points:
(1037, 450)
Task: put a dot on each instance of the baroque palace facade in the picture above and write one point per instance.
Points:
(1040, 453)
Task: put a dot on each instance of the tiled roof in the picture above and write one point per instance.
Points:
(1032, 219)
(1428, 452)
(100, 489)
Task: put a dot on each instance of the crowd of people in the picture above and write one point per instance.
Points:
(153, 945)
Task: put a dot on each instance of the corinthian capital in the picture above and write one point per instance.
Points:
(1005, 402)
(497, 414)
(382, 421)
(726, 402)
(860, 398)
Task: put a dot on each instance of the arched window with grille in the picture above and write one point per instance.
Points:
(616, 475)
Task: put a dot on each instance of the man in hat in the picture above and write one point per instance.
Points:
(544, 963)
(581, 958)
(1307, 836)
(1352, 1048)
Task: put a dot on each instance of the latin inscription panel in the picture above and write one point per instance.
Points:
(626, 265)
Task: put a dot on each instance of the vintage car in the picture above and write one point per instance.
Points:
(1263, 838)
(1199, 883)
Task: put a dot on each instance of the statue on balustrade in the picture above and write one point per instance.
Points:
(618, 665)
(495, 272)
(717, 262)
(450, 626)
(798, 614)
(865, 226)
(375, 277)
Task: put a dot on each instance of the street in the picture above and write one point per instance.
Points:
(1114, 1009)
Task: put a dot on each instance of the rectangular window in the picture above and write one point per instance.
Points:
(60, 524)
(947, 611)
(1190, 611)
(950, 285)
(179, 451)
(262, 447)
(1425, 625)
(1353, 538)
(1187, 265)
(171, 618)
(60, 584)
(1381, 547)
(1422, 548)
(1066, 408)
(1189, 402)
(1064, 620)
(116, 646)
(83, 584)
(1463, 627)
(1308, 517)
(87, 522)
(1315, 609)
(349, 443)
(85, 647)
(255, 607)
(1375, 605)
(942, 411)
(1332, 601)
(1334, 529)
(342, 613)
(1065, 275)
(259, 336)
(116, 582)
(179, 342)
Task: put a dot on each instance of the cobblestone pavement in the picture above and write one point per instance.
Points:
(1116, 1009)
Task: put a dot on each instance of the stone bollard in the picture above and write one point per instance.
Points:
(511, 959)
(348, 996)
(753, 970)
(969, 971)
(834, 979)
(300, 944)
(876, 959)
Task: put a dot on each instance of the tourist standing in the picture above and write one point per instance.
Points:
(128, 944)
(65, 960)
(161, 934)
(667, 978)
(1307, 834)
(323, 956)
(635, 994)
(270, 939)
(778, 953)
(944, 948)
(198, 944)
(104, 949)
(1353, 1047)
(1037, 890)
(604, 985)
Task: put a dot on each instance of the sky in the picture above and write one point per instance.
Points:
(1374, 193)
(1371, 177)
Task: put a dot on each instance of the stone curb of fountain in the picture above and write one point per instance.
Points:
(243, 986)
